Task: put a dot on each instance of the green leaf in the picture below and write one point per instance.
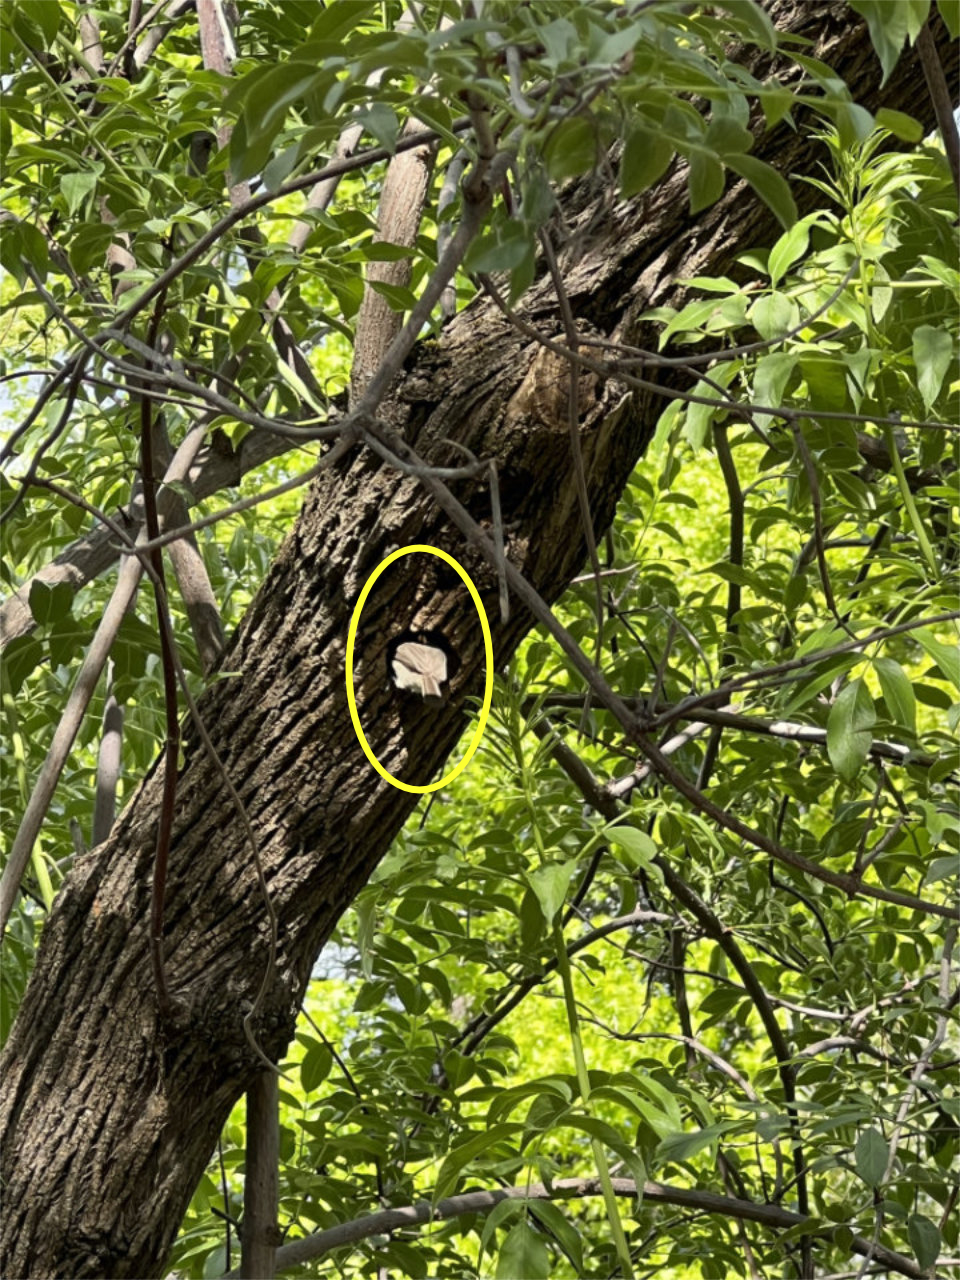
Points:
(726, 137)
(571, 148)
(398, 298)
(523, 1254)
(500, 1213)
(773, 315)
(381, 122)
(755, 21)
(900, 124)
(563, 1231)
(21, 656)
(550, 884)
(887, 21)
(89, 246)
(280, 167)
(826, 381)
(485, 1143)
(646, 156)
(682, 1146)
(791, 246)
(947, 657)
(897, 692)
(870, 1155)
(638, 848)
(770, 186)
(770, 380)
(705, 181)
(45, 16)
(272, 95)
(925, 1240)
(379, 251)
(933, 355)
(950, 12)
(215, 1263)
(65, 639)
(595, 1127)
(560, 40)
(941, 869)
(538, 200)
(47, 603)
(248, 155)
(918, 11)
(849, 729)
(315, 1066)
(11, 246)
(33, 246)
(501, 249)
(854, 123)
(436, 115)
(339, 18)
(692, 316)
(241, 333)
(523, 274)
(76, 187)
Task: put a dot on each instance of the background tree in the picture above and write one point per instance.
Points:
(773, 698)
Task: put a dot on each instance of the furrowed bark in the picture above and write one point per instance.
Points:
(108, 1117)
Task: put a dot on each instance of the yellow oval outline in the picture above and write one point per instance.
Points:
(488, 653)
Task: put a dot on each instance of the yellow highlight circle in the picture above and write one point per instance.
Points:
(488, 652)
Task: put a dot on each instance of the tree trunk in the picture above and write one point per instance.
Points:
(108, 1117)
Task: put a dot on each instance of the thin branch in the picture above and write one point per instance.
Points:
(621, 788)
(214, 237)
(850, 884)
(683, 893)
(728, 469)
(399, 213)
(939, 92)
(171, 751)
(793, 666)
(93, 663)
(108, 764)
(65, 733)
(771, 1216)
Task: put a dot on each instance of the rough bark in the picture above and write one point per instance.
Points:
(109, 1118)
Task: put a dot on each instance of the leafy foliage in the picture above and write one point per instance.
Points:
(518, 997)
